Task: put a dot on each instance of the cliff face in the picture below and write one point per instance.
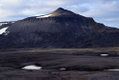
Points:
(59, 29)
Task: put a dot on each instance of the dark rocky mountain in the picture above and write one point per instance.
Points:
(59, 29)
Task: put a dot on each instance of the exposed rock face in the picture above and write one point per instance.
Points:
(60, 29)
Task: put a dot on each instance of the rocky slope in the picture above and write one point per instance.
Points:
(59, 29)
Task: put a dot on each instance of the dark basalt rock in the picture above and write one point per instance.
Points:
(63, 29)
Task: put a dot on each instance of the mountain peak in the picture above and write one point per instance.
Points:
(61, 11)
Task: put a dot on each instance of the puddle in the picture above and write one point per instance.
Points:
(32, 67)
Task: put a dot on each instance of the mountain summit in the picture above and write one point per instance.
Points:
(59, 29)
(61, 11)
(58, 13)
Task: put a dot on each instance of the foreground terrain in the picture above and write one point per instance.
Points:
(60, 64)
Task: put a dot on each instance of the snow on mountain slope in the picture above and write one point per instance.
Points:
(44, 16)
(2, 24)
(3, 30)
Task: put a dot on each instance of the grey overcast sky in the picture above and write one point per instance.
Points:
(103, 11)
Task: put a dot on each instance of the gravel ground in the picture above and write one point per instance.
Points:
(60, 64)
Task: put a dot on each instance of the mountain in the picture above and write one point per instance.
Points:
(59, 29)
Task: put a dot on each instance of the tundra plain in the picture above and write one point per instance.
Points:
(60, 64)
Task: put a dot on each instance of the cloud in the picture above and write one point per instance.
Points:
(105, 11)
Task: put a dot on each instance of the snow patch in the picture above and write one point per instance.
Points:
(104, 55)
(113, 70)
(6, 33)
(44, 16)
(32, 67)
(12, 22)
(2, 24)
(3, 30)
